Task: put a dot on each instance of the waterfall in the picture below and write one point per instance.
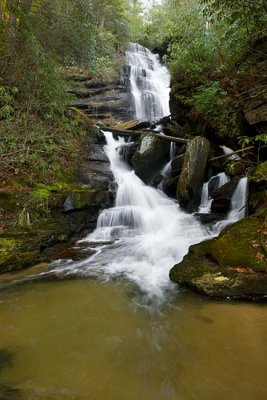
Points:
(218, 180)
(145, 233)
(140, 238)
(149, 83)
(238, 206)
(239, 201)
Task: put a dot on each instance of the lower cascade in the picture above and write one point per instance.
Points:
(145, 233)
(141, 237)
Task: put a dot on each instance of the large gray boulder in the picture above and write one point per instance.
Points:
(149, 158)
(193, 173)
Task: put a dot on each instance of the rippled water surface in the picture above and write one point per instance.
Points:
(83, 339)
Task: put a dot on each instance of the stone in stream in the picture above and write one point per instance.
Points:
(150, 158)
(193, 173)
(231, 265)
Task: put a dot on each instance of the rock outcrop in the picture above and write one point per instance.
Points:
(193, 173)
(105, 100)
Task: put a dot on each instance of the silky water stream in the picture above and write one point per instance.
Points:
(118, 329)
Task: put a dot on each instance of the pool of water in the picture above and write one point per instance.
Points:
(84, 339)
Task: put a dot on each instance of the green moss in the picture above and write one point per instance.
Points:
(16, 251)
(259, 173)
(235, 168)
(240, 246)
(258, 199)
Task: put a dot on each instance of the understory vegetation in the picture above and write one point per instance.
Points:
(42, 45)
(215, 52)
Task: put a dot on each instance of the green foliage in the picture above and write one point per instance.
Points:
(252, 15)
(260, 139)
(38, 40)
(217, 108)
(33, 146)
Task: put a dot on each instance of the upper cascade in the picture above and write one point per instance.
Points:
(149, 83)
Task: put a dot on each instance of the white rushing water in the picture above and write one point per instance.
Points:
(238, 206)
(150, 83)
(144, 234)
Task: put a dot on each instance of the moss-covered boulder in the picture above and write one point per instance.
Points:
(235, 168)
(231, 265)
(149, 158)
(193, 173)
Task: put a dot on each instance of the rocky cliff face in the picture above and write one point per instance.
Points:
(105, 101)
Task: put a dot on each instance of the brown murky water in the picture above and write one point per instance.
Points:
(86, 340)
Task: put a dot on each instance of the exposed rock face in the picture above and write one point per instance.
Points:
(105, 100)
(193, 173)
(149, 158)
(95, 172)
(232, 265)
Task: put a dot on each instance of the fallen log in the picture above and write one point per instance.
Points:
(231, 154)
(124, 132)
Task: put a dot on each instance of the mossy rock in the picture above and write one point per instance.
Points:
(235, 168)
(22, 247)
(232, 265)
(259, 173)
(80, 196)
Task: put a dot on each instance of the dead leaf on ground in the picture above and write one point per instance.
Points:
(260, 256)
(255, 244)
